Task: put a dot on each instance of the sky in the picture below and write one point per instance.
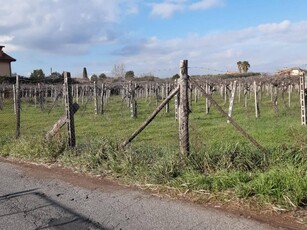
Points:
(152, 36)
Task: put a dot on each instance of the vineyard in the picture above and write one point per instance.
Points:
(231, 137)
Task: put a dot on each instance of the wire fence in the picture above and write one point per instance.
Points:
(179, 111)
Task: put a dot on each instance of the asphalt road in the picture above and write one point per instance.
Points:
(40, 200)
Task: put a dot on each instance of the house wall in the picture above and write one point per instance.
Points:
(5, 69)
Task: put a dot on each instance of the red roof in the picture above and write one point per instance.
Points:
(4, 57)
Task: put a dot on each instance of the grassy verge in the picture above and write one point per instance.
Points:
(279, 179)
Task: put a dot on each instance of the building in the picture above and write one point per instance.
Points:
(5, 63)
(295, 71)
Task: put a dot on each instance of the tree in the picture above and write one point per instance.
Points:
(94, 78)
(239, 64)
(129, 75)
(84, 74)
(37, 74)
(55, 75)
(119, 70)
(176, 76)
(243, 66)
(102, 76)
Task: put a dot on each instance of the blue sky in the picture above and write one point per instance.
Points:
(153, 36)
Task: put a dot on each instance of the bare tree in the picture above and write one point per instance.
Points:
(119, 70)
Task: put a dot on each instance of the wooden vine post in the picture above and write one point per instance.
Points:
(40, 96)
(176, 102)
(232, 99)
(256, 95)
(95, 98)
(303, 98)
(1, 100)
(133, 103)
(102, 99)
(69, 110)
(207, 88)
(183, 114)
(17, 100)
(167, 93)
(14, 96)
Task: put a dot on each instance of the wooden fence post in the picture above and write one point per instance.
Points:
(69, 110)
(184, 110)
(17, 95)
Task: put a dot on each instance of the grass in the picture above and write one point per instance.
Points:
(221, 162)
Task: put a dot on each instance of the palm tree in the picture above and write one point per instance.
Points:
(239, 64)
(245, 66)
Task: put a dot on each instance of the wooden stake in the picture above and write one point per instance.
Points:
(17, 107)
(69, 110)
(167, 93)
(102, 99)
(208, 91)
(177, 102)
(184, 143)
(14, 97)
(232, 99)
(257, 110)
(95, 98)
(303, 99)
(1, 101)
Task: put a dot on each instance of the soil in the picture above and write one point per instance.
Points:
(282, 220)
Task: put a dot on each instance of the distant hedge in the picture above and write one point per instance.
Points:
(25, 80)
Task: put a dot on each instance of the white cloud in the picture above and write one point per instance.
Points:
(167, 8)
(62, 26)
(274, 27)
(206, 4)
(5, 39)
(266, 46)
